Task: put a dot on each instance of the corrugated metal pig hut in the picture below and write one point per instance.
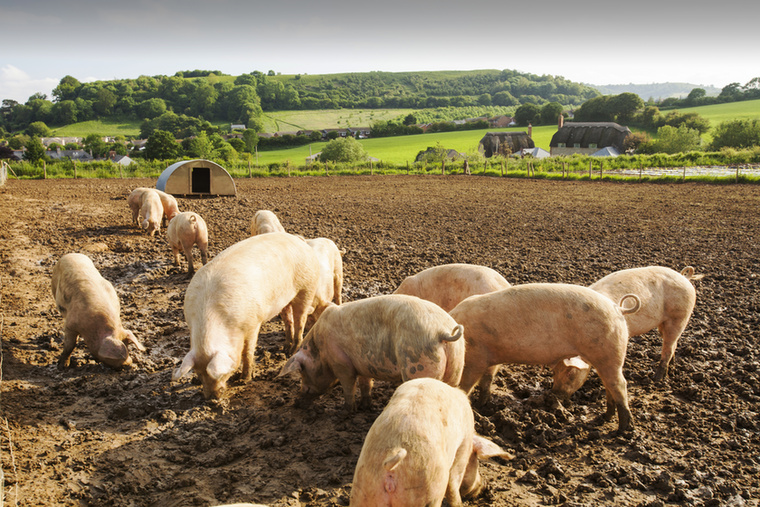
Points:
(196, 177)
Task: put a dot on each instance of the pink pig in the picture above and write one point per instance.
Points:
(90, 309)
(185, 230)
(421, 449)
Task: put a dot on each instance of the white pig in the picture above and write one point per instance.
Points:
(185, 230)
(447, 285)
(151, 211)
(229, 299)
(90, 309)
(667, 301)
(392, 338)
(264, 222)
(543, 323)
(169, 205)
(330, 275)
(135, 202)
(421, 449)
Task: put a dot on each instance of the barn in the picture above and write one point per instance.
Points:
(505, 143)
(196, 177)
(588, 138)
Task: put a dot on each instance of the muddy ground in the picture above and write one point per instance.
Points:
(92, 436)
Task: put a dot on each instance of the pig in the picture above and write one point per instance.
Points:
(264, 221)
(185, 230)
(228, 300)
(543, 323)
(447, 285)
(393, 338)
(169, 205)
(421, 449)
(90, 309)
(667, 301)
(151, 212)
(330, 275)
(134, 201)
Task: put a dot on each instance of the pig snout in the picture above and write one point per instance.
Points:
(569, 376)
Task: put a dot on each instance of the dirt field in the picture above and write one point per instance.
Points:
(92, 436)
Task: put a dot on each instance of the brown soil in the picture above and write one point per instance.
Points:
(92, 436)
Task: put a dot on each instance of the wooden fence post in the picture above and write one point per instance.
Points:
(641, 169)
(683, 178)
(601, 169)
(44, 170)
(443, 167)
(502, 168)
(407, 168)
(590, 163)
(75, 169)
(249, 166)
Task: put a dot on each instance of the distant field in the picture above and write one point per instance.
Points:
(718, 113)
(403, 149)
(283, 121)
(102, 127)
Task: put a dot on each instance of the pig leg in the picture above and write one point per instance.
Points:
(204, 253)
(617, 399)
(301, 308)
(365, 388)
(249, 349)
(485, 385)
(188, 249)
(347, 381)
(471, 374)
(670, 332)
(69, 342)
(287, 319)
(175, 253)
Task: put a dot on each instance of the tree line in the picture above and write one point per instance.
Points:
(213, 96)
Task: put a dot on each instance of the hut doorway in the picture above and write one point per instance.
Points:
(201, 180)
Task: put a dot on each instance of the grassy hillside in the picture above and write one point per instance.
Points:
(718, 113)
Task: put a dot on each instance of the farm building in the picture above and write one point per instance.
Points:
(588, 138)
(196, 177)
(505, 143)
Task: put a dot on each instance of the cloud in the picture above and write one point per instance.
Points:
(19, 86)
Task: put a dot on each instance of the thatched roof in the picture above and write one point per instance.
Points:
(505, 143)
(602, 134)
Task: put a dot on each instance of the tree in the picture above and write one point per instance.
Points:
(344, 149)
(410, 119)
(251, 139)
(35, 150)
(527, 113)
(695, 97)
(677, 140)
(39, 129)
(625, 105)
(67, 89)
(504, 98)
(94, 144)
(151, 108)
(161, 145)
(550, 113)
(736, 134)
(485, 99)
(198, 146)
(596, 109)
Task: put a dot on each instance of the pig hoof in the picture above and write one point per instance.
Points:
(660, 374)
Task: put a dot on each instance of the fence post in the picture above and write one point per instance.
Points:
(407, 168)
(683, 178)
(737, 174)
(641, 169)
(44, 170)
(249, 166)
(75, 169)
(601, 169)
(590, 163)
(502, 168)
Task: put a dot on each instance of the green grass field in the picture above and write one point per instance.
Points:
(718, 113)
(283, 121)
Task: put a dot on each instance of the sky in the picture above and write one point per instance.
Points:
(588, 41)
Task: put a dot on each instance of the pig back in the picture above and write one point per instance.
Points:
(541, 323)
(664, 293)
(447, 285)
(252, 280)
(396, 334)
(433, 424)
(81, 292)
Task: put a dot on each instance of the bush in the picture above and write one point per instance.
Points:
(345, 149)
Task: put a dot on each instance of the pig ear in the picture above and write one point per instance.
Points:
(131, 338)
(187, 363)
(486, 449)
(220, 365)
(292, 366)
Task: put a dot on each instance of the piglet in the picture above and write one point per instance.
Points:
(393, 338)
(185, 230)
(90, 309)
(134, 201)
(543, 323)
(421, 449)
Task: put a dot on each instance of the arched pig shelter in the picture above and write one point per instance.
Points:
(196, 177)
